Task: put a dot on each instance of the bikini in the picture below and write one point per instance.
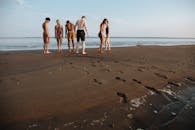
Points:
(58, 31)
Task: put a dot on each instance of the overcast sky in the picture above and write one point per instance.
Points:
(134, 18)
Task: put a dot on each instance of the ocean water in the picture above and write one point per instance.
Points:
(36, 43)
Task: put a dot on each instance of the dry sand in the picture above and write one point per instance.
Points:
(125, 89)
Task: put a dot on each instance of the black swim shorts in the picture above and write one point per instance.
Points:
(80, 35)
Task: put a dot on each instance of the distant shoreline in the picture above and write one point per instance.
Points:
(112, 37)
(65, 49)
(35, 43)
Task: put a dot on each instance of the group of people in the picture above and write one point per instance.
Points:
(79, 30)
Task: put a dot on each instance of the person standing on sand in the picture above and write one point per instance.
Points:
(101, 34)
(81, 29)
(70, 33)
(59, 35)
(46, 35)
(107, 41)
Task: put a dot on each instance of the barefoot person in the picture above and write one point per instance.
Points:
(101, 34)
(107, 41)
(81, 29)
(46, 36)
(59, 35)
(70, 33)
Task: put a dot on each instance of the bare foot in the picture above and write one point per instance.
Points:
(48, 52)
(84, 53)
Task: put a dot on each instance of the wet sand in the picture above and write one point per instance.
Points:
(142, 87)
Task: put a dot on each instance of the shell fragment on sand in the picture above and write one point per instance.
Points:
(138, 101)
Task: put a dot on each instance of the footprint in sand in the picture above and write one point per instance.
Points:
(154, 67)
(161, 75)
(86, 70)
(174, 83)
(71, 63)
(137, 81)
(98, 61)
(140, 70)
(121, 72)
(96, 81)
(106, 70)
(123, 97)
(18, 82)
(119, 78)
(115, 61)
(190, 78)
(4, 62)
(93, 65)
(171, 71)
(153, 89)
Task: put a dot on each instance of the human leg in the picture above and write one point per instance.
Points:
(72, 45)
(69, 39)
(60, 45)
(78, 39)
(101, 44)
(107, 44)
(69, 45)
(47, 45)
(83, 42)
(83, 47)
(44, 44)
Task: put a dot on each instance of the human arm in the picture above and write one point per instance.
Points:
(76, 25)
(107, 31)
(47, 29)
(62, 31)
(66, 31)
(75, 28)
(86, 30)
(55, 32)
(102, 29)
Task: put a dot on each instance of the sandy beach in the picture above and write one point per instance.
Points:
(131, 88)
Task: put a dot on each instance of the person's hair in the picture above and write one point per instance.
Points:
(107, 30)
(67, 21)
(83, 17)
(104, 21)
(47, 18)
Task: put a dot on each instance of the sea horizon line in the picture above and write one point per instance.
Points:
(110, 37)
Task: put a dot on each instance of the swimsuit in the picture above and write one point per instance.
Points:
(59, 32)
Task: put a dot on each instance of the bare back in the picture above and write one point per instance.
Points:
(45, 29)
(70, 27)
(45, 32)
(58, 31)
